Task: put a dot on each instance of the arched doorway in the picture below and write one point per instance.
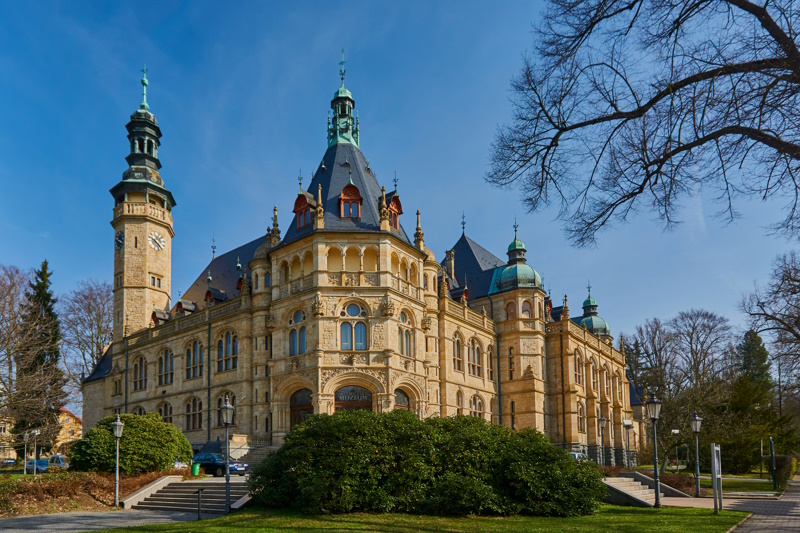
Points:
(300, 407)
(353, 397)
(401, 400)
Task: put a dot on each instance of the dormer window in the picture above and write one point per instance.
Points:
(395, 210)
(350, 202)
(302, 209)
(304, 218)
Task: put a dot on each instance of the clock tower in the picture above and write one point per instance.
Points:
(142, 223)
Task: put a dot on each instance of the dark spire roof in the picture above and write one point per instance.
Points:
(476, 264)
(344, 162)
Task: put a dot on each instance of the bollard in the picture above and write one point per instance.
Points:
(199, 502)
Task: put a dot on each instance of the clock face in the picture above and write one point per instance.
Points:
(156, 241)
(119, 240)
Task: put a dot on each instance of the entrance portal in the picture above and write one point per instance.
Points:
(300, 407)
(401, 400)
(353, 397)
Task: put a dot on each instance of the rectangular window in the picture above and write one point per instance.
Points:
(266, 397)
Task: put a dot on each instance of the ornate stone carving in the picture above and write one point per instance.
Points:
(327, 375)
(528, 372)
(328, 335)
(335, 280)
(387, 307)
(371, 280)
(426, 323)
(269, 320)
(378, 335)
(351, 280)
(318, 307)
(284, 291)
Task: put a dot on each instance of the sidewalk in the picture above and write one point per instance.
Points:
(768, 515)
(77, 522)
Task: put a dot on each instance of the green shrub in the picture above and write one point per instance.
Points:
(361, 461)
(147, 445)
(785, 468)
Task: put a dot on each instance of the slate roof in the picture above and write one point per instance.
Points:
(343, 162)
(477, 263)
(224, 273)
(102, 368)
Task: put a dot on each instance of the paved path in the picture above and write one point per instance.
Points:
(769, 515)
(76, 522)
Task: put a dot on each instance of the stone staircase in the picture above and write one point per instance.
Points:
(627, 491)
(256, 455)
(182, 496)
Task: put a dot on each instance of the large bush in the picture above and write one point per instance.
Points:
(361, 461)
(147, 445)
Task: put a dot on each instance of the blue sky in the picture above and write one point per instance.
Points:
(241, 94)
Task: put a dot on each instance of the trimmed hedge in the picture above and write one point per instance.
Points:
(147, 445)
(394, 462)
(786, 468)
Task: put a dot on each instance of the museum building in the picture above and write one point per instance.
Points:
(343, 310)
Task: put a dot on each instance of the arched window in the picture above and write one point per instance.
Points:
(527, 310)
(578, 369)
(255, 281)
(300, 407)
(404, 338)
(513, 416)
(619, 387)
(511, 311)
(581, 418)
(608, 383)
(475, 359)
(352, 331)
(139, 374)
(458, 356)
(194, 361)
(401, 400)
(476, 406)
(227, 352)
(460, 402)
(194, 414)
(165, 412)
(138, 411)
(166, 367)
(220, 402)
(490, 364)
(597, 423)
(297, 336)
(594, 377)
(611, 425)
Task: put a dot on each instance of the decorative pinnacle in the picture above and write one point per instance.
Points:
(209, 279)
(463, 223)
(238, 263)
(395, 181)
(419, 225)
(300, 180)
(350, 176)
(341, 68)
(589, 288)
(515, 228)
(144, 105)
(213, 247)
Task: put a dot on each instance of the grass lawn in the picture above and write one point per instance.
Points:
(735, 485)
(610, 518)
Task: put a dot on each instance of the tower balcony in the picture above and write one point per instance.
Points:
(143, 209)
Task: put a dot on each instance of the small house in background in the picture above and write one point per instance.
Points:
(71, 430)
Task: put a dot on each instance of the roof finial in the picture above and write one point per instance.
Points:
(395, 181)
(300, 180)
(341, 68)
(515, 228)
(213, 247)
(589, 288)
(144, 105)
(209, 279)
(238, 263)
(463, 223)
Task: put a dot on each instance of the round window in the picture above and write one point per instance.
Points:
(352, 310)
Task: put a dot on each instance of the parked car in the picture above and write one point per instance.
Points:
(57, 462)
(579, 456)
(8, 462)
(214, 463)
(41, 466)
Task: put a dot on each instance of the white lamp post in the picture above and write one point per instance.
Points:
(602, 439)
(35, 433)
(227, 418)
(676, 432)
(25, 438)
(117, 426)
(654, 412)
(628, 425)
(695, 421)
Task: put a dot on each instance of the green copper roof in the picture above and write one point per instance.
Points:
(516, 276)
(516, 244)
(589, 302)
(341, 92)
(596, 325)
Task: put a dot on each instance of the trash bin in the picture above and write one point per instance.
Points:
(195, 469)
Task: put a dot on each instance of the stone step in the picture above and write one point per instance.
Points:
(186, 509)
(192, 497)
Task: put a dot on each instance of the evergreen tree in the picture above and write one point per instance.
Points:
(754, 360)
(39, 393)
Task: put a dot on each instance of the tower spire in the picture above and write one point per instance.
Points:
(144, 105)
(341, 68)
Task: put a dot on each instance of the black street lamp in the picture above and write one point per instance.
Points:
(227, 411)
(25, 438)
(654, 412)
(602, 440)
(628, 425)
(117, 426)
(695, 421)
